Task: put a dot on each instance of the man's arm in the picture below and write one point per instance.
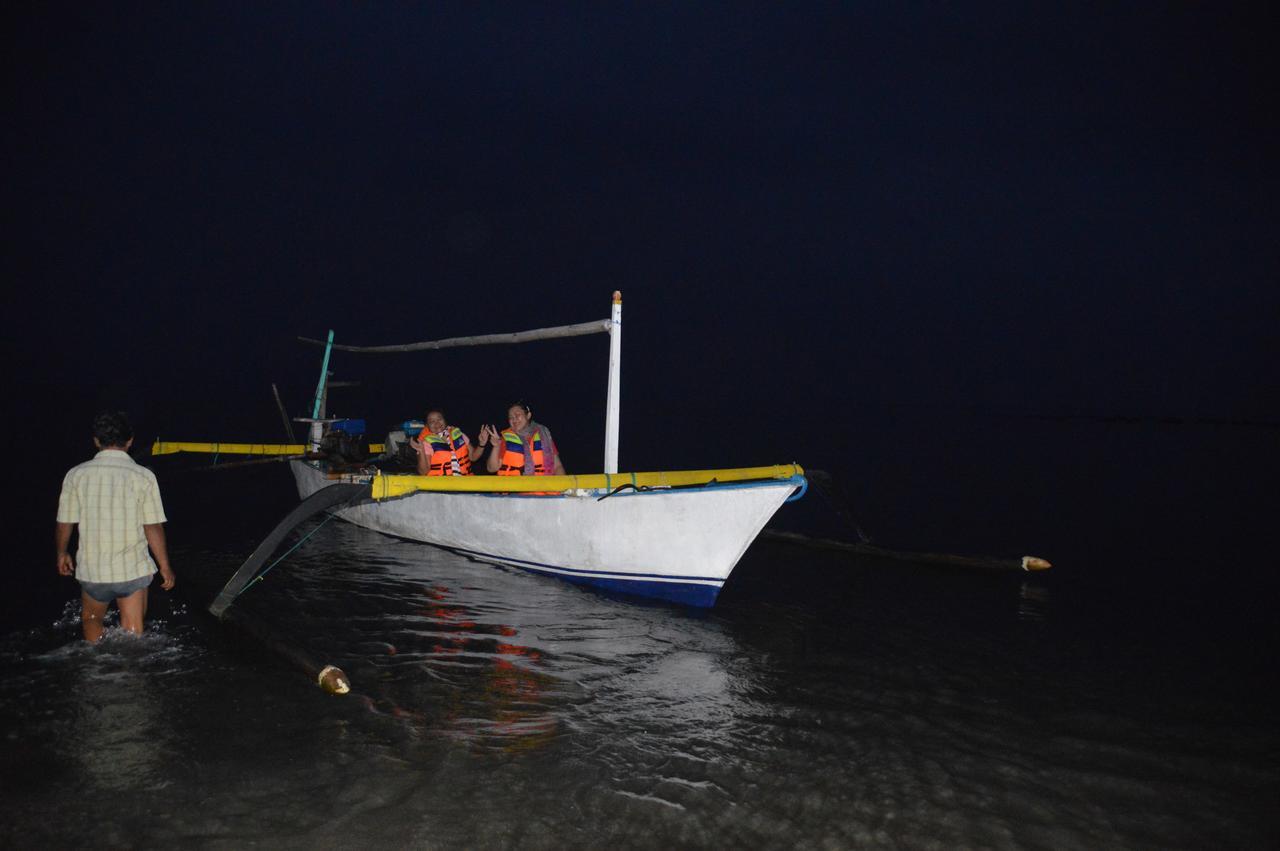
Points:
(155, 540)
(62, 537)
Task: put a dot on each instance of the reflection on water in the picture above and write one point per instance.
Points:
(482, 685)
(503, 661)
(88, 723)
(119, 711)
(493, 708)
(1033, 600)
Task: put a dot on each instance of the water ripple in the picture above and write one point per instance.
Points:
(493, 708)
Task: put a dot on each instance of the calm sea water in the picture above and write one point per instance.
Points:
(823, 703)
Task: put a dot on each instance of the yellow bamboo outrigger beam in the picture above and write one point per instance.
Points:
(388, 487)
(172, 447)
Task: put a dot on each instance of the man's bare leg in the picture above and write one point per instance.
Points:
(132, 610)
(91, 614)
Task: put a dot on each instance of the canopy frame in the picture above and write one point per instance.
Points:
(611, 326)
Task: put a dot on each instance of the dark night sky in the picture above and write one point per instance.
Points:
(813, 211)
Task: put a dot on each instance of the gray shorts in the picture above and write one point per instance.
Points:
(105, 592)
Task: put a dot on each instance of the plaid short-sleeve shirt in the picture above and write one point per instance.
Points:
(111, 498)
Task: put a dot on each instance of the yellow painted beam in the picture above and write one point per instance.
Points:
(171, 447)
(386, 487)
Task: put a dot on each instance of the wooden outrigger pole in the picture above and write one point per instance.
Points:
(581, 329)
(1026, 563)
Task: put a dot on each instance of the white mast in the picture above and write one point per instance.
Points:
(615, 386)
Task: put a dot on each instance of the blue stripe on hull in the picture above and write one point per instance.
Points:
(702, 596)
(684, 593)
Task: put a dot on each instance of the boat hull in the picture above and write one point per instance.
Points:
(675, 544)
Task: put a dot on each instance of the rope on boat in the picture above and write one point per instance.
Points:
(331, 497)
(286, 554)
(837, 500)
(629, 486)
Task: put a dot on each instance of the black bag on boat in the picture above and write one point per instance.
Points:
(344, 448)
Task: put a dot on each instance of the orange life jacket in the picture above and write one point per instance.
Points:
(445, 449)
(513, 450)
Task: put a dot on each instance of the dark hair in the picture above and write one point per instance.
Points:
(520, 403)
(112, 428)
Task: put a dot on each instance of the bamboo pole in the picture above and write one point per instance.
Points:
(599, 326)
(171, 447)
(324, 499)
(284, 416)
(1027, 563)
(235, 465)
(329, 677)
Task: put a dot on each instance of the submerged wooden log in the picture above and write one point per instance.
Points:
(328, 677)
(1027, 563)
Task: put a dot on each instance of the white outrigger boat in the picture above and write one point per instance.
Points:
(675, 536)
(669, 535)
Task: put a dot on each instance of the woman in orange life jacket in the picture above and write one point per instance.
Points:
(443, 450)
(524, 449)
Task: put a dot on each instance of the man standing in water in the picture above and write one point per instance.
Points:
(116, 505)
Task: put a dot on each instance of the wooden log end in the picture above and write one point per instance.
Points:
(1035, 563)
(333, 680)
